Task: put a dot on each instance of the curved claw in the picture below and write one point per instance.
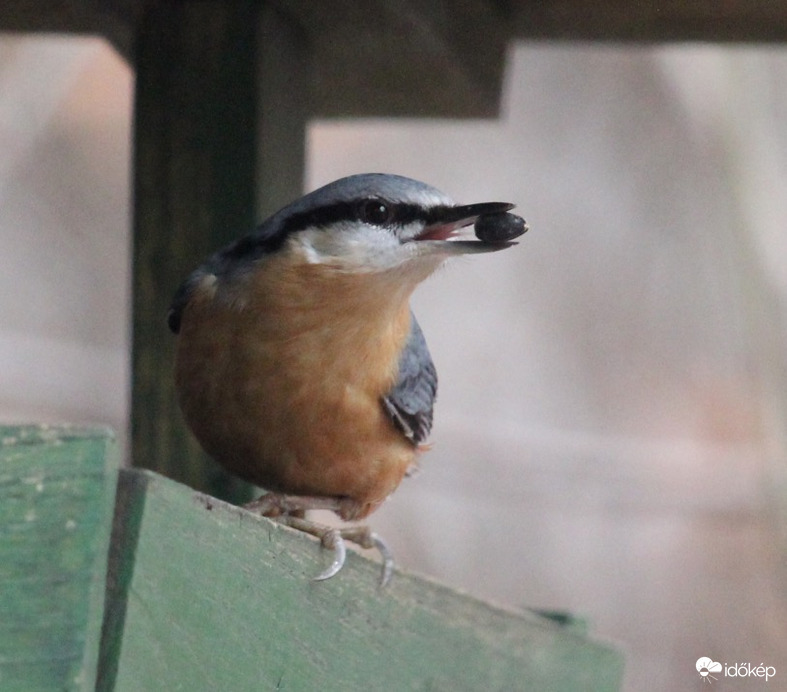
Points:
(339, 554)
(335, 539)
(388, 560)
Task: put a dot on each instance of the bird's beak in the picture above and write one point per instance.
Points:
(441, 230)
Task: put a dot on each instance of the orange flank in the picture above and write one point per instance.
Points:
(281, 371)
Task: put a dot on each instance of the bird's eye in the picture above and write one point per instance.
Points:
(375, 212)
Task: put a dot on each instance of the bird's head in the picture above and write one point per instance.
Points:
(377, 222)
(372, 224)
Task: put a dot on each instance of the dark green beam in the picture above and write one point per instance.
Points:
(214, 126)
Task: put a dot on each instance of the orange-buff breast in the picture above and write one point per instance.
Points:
(280, 377)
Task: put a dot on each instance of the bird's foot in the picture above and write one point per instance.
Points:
(334, 539)
(278, 504)
(290, 509)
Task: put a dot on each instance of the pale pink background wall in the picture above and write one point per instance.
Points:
(610, 429)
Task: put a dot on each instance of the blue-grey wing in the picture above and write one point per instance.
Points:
(411, 401)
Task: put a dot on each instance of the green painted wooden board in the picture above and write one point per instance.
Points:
(206, 596)
(57, 487)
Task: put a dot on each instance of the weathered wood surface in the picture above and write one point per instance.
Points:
(57, 486)
(206, 596)
(201, 595)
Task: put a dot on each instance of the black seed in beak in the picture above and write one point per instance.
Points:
(499, 228)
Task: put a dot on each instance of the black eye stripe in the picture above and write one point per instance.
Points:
(401, 214)
(267, 240)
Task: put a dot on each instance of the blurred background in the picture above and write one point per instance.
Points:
(609, 435)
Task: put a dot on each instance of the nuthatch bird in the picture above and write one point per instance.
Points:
(299, 365)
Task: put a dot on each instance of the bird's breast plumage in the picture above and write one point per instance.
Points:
(281, 374)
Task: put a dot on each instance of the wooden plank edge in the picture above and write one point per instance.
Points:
(297, 557)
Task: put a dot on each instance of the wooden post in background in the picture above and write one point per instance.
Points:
(219, 125)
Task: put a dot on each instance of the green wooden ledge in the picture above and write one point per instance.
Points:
(201, 595)
(57, 489)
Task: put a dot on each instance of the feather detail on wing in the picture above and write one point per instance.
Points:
(411, 401)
